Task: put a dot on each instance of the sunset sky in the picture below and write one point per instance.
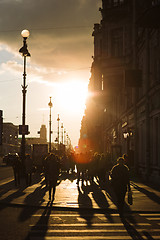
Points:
(61, 48)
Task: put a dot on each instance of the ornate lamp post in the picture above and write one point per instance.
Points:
(50, 131)
(23, 129)
(58, 119)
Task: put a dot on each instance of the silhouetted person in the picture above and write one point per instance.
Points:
(120, 182)
(53, 166)
(16, 165)
(45, 170)
(28, 169)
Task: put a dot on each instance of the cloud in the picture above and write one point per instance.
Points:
(43, 75)
(61, 30)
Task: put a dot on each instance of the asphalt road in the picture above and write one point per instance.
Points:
(5, 172)
(28, 223)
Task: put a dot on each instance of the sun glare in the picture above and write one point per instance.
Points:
(72, 96)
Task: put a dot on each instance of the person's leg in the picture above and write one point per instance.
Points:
(46, 177)
(54, 190)
(50, 188)
(120, 200)
(78, 177)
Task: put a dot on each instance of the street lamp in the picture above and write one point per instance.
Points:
(64, 136)
(23, 129)
(50, 132)
(62, 131)
(58, 119)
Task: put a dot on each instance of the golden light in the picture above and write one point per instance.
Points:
(72, 96)
(25, 33)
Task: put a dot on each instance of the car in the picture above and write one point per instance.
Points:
(10, 158)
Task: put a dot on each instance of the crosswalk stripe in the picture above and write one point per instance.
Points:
(87, 230)
(82, 231)
(83, 237)
(149, 214)
(155, 219)
(96, 215)
(77, 215)
(112, 230)
(155, 237)
(93, 225)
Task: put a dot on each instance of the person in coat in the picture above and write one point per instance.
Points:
(53, 167)
(17, 166)
(120, 182)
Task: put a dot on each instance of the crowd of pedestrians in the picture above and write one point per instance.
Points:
(86, 167)
(92, 165)
(102, 168)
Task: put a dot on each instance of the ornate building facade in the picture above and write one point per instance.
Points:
(123, 111)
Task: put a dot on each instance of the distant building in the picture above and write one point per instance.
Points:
(43, 132)
(41, 140)
(10, 142)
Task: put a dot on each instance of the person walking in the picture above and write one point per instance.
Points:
(16, 165)
(53, 166)
(28, 169)
(45, 169)
(120, 182)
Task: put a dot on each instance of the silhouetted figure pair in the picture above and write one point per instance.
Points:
(52, 171)
(120, 182)
(17, 166)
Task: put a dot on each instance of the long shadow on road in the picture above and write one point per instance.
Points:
(9, 193)
(111, 195)
(153, 196)
(42, 223)
(84, 201)
(101, 200)
(33, 199)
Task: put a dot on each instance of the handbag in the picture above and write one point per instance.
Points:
(130, 198)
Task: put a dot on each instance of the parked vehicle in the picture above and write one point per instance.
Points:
(10, 158)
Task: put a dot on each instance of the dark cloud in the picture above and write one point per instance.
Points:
(61, 30)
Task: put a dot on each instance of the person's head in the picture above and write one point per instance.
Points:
(120, 160)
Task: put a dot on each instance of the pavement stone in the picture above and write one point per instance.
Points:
(69, 195)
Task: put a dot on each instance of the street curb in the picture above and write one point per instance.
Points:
(59, 208)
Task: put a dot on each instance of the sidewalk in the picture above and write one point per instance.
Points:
(69, 195)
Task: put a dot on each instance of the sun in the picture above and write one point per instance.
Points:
(72, 96)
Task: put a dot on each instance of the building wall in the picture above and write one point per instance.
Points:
(125, 76)
(10, 142)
